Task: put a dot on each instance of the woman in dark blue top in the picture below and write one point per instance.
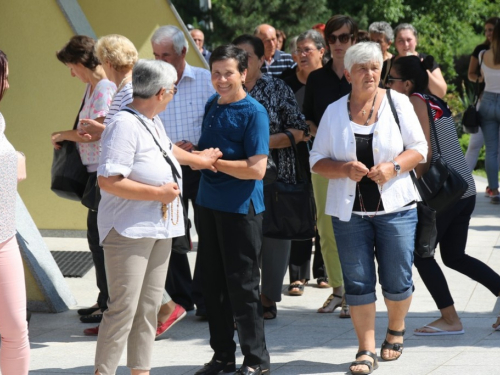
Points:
(231, 205)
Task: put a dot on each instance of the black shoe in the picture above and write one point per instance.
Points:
(95, 318)
(245, 370)
(213, 367)
(88, 311)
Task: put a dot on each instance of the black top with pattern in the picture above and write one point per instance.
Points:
(284, 113)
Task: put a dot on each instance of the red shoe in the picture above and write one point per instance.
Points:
(91, 331)
(175, 317)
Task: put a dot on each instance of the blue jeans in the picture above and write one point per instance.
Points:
(389, 238)
(489, 113)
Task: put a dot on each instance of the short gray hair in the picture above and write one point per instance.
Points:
(150, 76)
(405, 26)
(382, 28)
(173, 34)
(313, 35)
(363, 53)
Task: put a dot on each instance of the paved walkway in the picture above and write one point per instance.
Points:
(300, 340)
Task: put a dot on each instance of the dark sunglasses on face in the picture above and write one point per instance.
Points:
(343, 38)
(393, 79)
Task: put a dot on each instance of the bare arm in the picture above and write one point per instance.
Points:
(197, 160)
(253, 168)
(280, 140)
(420, 108)
(128, 189)
(473, 69)
(437, 84)
(90, 130)
(332, 169)
(21, 166)
(73, 135)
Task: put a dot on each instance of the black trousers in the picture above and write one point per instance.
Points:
(231, 246)
(183, 289)
(98, 258)
(300, 260)
(453, 227)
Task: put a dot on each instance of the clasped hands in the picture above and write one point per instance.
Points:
(207, 159)
(380, 173)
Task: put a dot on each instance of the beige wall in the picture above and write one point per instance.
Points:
(44, 98)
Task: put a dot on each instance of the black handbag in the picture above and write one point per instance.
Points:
(183, 244)
(470, 117)
(290, 209)
(441, 187)
(68, 174)
(92, 194)
(426, 231)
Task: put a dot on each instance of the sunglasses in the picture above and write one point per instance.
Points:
(393, 79)
(305, 51)
(343, 38)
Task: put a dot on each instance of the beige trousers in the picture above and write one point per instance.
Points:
(136, 271)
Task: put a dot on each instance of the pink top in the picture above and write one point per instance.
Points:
(8, 186)
(96, 105)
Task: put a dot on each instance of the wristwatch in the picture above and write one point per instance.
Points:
(397, 167)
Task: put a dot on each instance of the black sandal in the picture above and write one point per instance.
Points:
(372, 366)
(298, 292)
(386, 345)
(270, 309)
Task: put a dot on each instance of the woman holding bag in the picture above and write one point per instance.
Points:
(15, 353)
(78, 55)
(284, 114)
(409, 76)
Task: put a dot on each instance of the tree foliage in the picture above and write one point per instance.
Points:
(447, 28)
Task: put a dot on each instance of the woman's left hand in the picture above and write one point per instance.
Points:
(381, 173)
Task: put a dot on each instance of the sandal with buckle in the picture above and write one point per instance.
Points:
(329, 306)
(397, 347)
(322, 282)
(372, 366)
(296, 289)
(271, 310)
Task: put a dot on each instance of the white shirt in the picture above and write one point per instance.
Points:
(128, 149)
(184, 114)
(335, 140)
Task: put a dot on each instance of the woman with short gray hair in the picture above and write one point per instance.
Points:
(139, 214)
(381, 33)
(371, 198)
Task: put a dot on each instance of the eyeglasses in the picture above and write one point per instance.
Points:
(391, 79)
(305, 51)
(173, 90)
(343, 38)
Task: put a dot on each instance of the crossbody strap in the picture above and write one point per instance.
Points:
(175, 172)
(298, 167)
(476, 85)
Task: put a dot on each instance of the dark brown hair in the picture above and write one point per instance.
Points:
(79, 49)
(336, 22)
(3, 72)
(495, 44)
(490, 21)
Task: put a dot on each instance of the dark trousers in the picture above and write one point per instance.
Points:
(453, 227)
(183, 289)
(300, 260)
(231, 245)
(98, 258)
(318, 266)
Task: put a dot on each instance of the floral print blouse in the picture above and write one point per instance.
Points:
(284, 113)
(96, 105)
(8, 186)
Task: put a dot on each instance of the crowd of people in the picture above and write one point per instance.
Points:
(160, 134)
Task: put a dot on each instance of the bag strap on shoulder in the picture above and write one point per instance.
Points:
(300, 173)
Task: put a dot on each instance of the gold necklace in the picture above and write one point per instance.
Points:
(122, 83)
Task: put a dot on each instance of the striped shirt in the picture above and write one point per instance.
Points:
(184, 114)
(451, 151)
(120, 100)
(280, 62)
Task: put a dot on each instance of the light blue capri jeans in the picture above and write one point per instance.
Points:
(387, 238)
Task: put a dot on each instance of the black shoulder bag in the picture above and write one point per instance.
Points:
(426, 234)
(181, 245)
(470, 117)
(290, 209)
(69, 176)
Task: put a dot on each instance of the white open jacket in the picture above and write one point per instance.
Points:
(335, 140)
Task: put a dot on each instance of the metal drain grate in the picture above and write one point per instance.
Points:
(73, 263)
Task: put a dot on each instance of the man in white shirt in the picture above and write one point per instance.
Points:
(182, 121)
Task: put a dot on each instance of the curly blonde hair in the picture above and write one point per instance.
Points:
(119, 51)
